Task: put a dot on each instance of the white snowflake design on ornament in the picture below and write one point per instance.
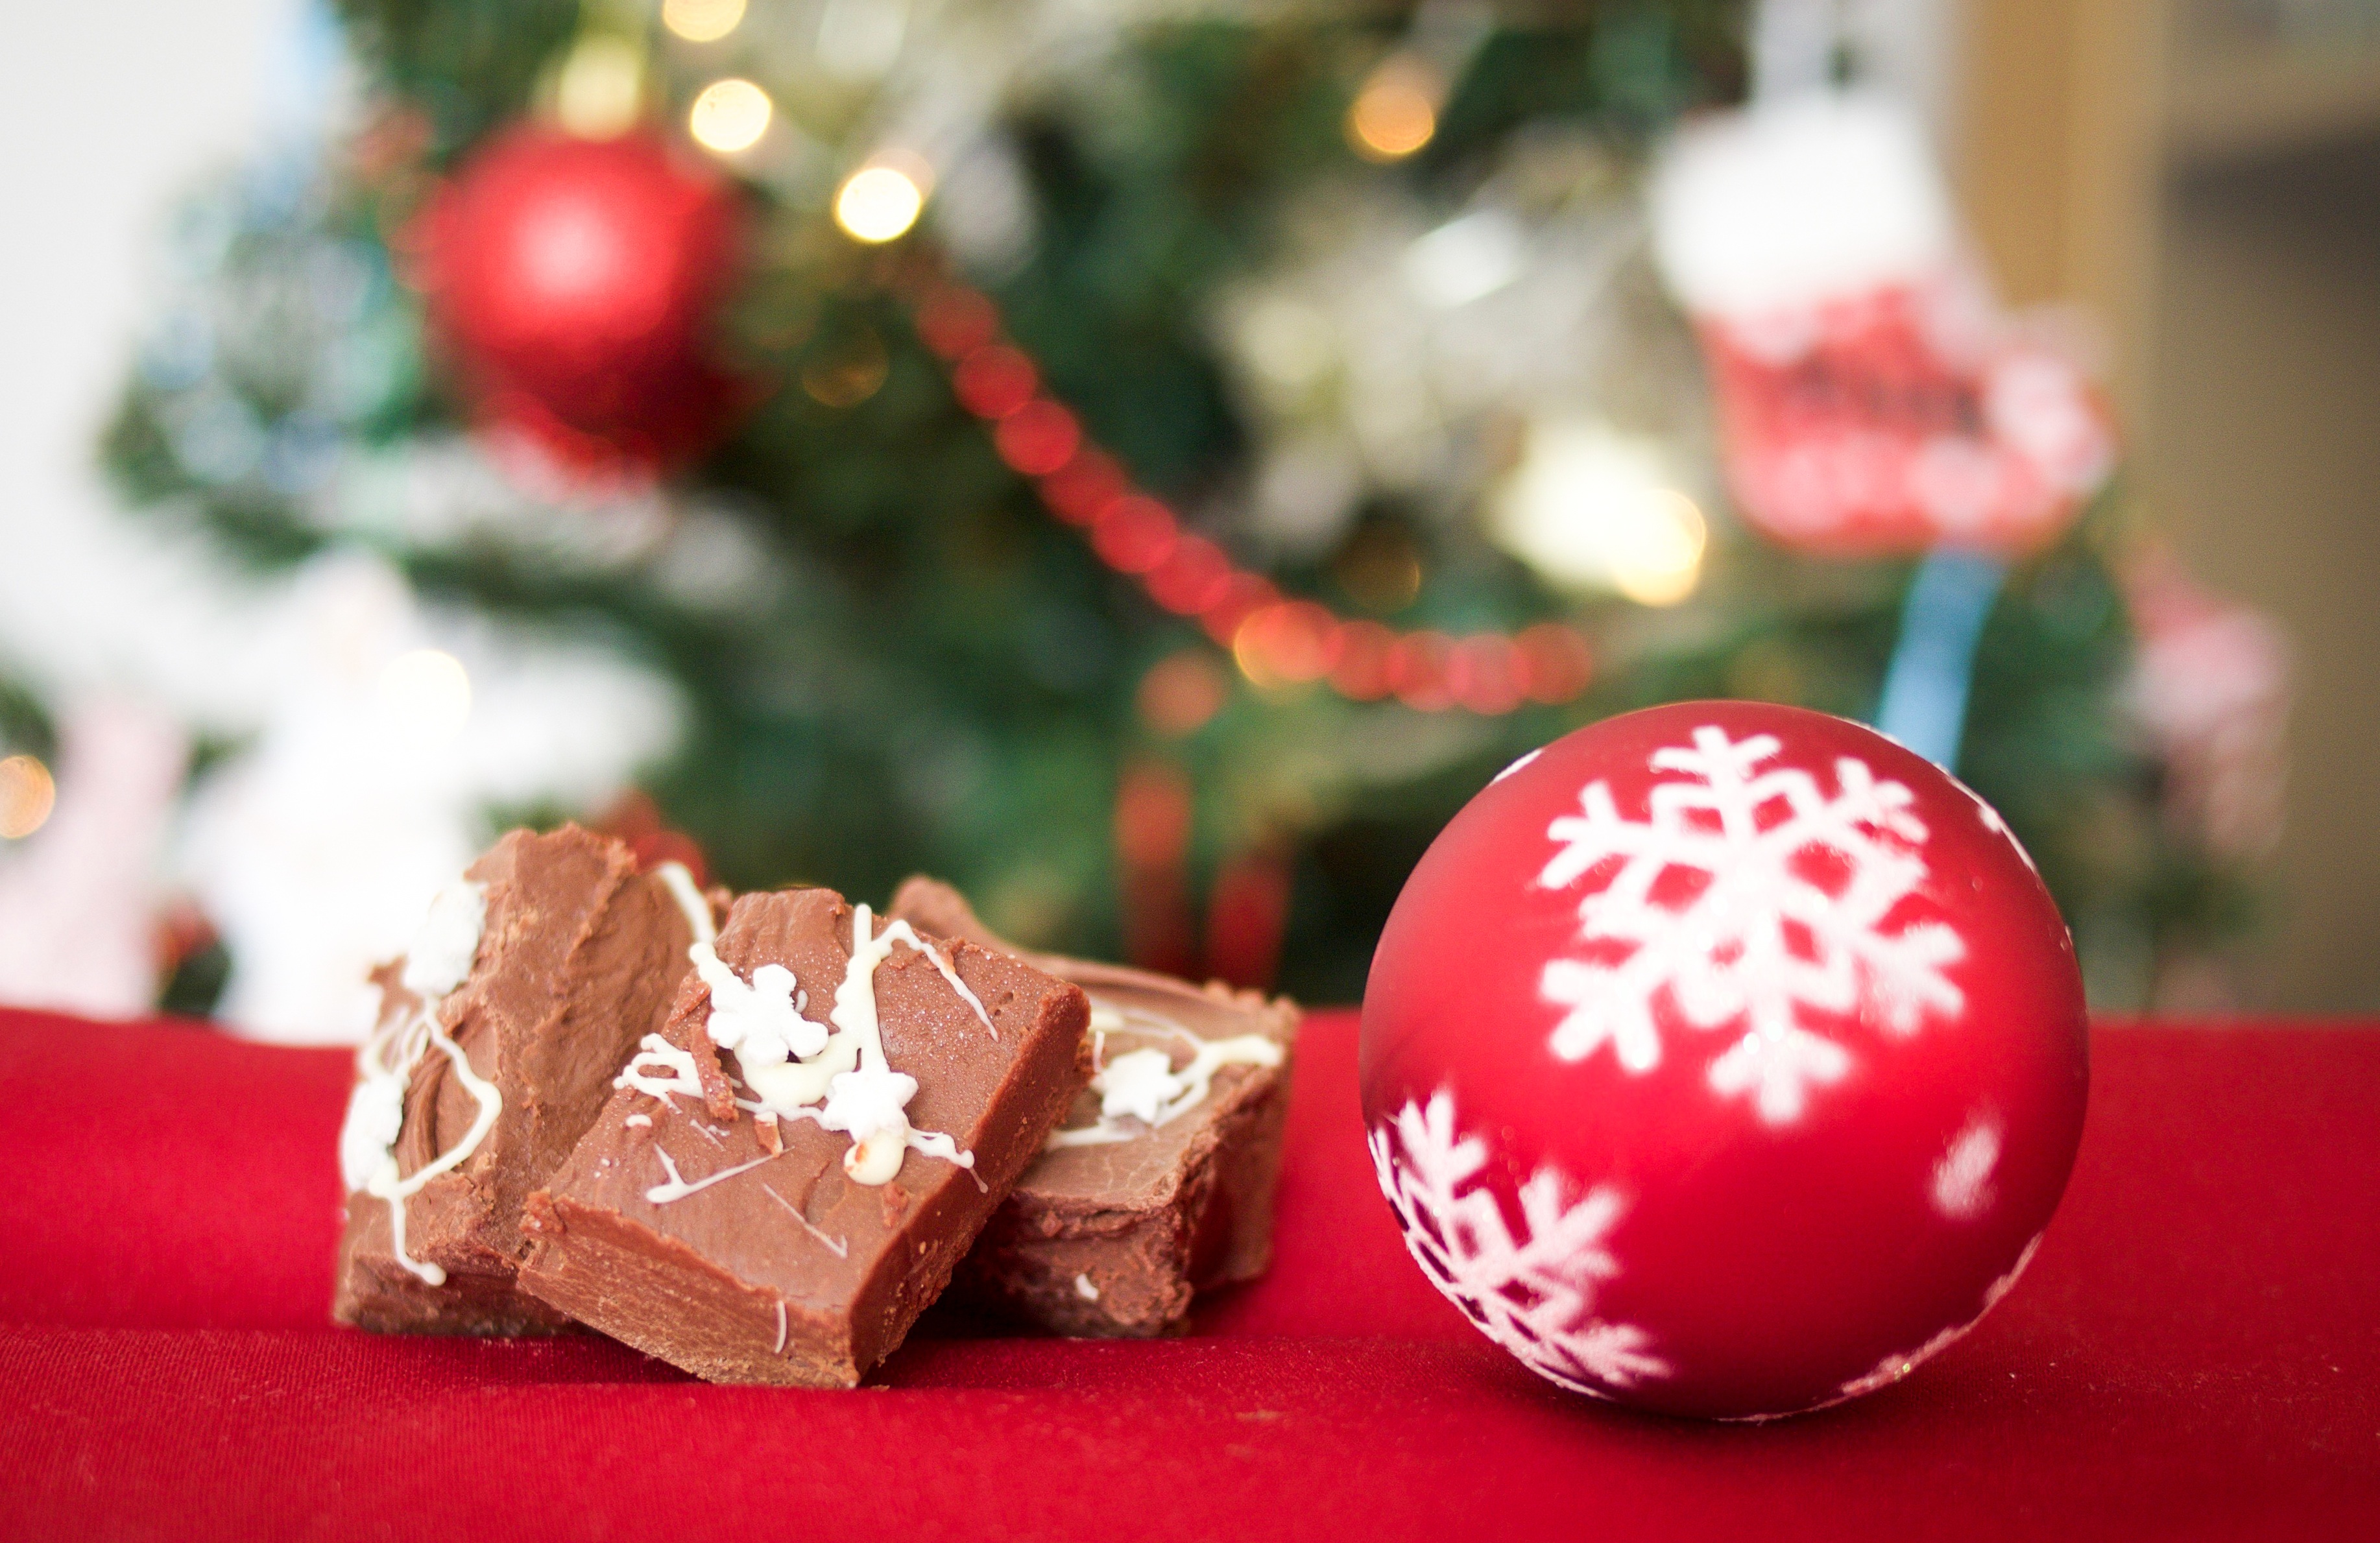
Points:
(1762, 937)
(1533, 1293)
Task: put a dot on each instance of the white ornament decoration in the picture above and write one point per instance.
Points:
(1760, 939)
(1962, 1188)
(1762, 216)
(1534, 1293)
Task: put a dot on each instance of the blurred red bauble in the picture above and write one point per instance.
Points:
(1872, 397)
(574, 282)
(1872, 424)
(1724, 1059)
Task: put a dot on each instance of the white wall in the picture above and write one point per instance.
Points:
(107, 112)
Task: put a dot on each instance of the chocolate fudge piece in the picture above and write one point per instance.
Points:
(721, 1216)
(1116, 1225)
(500, 1034)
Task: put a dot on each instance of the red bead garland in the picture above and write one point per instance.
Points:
(1275, 641)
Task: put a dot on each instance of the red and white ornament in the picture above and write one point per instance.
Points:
(1724, 1059)
(1872, 398)
(574, 280)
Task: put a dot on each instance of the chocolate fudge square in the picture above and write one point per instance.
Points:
(1122, 1221)
(501, 1032)
(792, 1169)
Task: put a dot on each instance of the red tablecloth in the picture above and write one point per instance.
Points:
(2196, 1353)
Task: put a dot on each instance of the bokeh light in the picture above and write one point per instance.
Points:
(1485, 673)
(1136, 534)
(1153, 816)
(1396, 113)
(729, 115)
(1417, 673)
(879, 203)
(956, 320)
(1287, 643)
(995, 381)
(27, 796)
(848, 370)
(1659, 560)
(1590, 508)
(426, 695)
(601, 88)
(1038, 438)
(1555, 664)
(702, 21)
(1192, 577)
(1361, 672)
(1181, 693)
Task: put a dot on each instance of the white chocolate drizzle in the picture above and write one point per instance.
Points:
(638, 1122)
(679, 1187)
(439, 960)
(792, 1065)
(655, 1054)
(1143, 1084)
(839, 1247)
(696, 910)
(870, 1103)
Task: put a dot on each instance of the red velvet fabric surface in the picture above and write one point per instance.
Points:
(2194, 1353)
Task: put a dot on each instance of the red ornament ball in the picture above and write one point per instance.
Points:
(1724, 1059)
(1856, 427)
(574, 282)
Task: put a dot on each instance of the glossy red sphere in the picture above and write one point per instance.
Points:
(574, 280)
(1724, 1059)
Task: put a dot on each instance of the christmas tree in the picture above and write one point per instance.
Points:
(1099, 459)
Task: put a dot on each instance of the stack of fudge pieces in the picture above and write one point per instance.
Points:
(758, 1138)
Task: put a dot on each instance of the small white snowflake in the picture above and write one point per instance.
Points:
(1962, 1188)
(1533, 1293)
(1775, 900)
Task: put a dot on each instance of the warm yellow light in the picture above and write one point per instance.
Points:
(730, 115)
(701, 20)
(427, 694)
(27, 796)
(1591, 508)
(601, 87)
(879, 202)
(1659, 558)
(1396, 111)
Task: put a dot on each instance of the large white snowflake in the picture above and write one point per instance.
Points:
(1533, 1293)
(1746, 896)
